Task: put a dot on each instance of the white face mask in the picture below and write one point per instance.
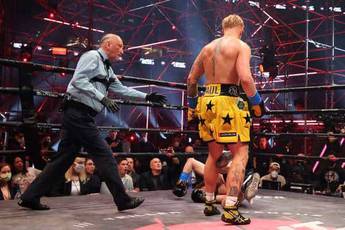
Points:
(274, 174)
(5, 176)
(79, 168)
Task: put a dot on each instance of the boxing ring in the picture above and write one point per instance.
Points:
(162, 210)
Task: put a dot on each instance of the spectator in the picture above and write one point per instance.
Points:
(133, 174)
(261, 162)
(197, 145)
(189, 149)
(89, 167)
(18, 143)
(75, 180)
(333, 176)
(331, 173)
(177, 144)
(126, 179)
(114, 141)
(7, 190)
(273, 175)
(143, 146)
(93, 179)
(301, 171)
(156, 178)
(23, 176)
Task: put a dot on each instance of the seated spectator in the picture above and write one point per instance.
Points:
(75, 180)
(133, 174)
(189, 149)
(23, 176)
(197, 145)
(126, 179)
(176, 144)
(300, 172)
(273, 175)
(261, 162)
(17, 143)
(46, 146)
(156, 178)
(93, 179)
(7, 190)
(114, 141)
(333, 176)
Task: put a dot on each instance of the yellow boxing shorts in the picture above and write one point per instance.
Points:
(223, 116)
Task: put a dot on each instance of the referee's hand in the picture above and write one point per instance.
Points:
(110, 104)
(156, 98)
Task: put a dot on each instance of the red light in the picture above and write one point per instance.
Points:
(59, 51)
(63, 74)
(132, 138)
(51, 15)
(173, 27)
(25, 60)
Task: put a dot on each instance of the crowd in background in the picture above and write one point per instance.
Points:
(161, 171)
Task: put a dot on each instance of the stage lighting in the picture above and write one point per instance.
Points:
(147, 61)
(26, 52)
(59, 51)
(177, 64)
(17, 45)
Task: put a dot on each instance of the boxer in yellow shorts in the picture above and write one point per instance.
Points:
(224, 118)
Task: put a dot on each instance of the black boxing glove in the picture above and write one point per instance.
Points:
(110, 104)
(156, 98)
(198, 196)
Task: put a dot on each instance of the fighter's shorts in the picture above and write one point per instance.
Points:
(223, 115)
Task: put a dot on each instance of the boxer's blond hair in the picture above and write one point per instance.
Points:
(232, 21)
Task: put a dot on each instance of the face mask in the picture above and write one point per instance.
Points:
(6, 176)
(79, 168)
(274, 174)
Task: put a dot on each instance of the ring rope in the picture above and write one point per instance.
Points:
(164, 106)
(202, 153)
(171, 131)
(58, 69)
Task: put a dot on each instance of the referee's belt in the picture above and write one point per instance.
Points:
(231, 90)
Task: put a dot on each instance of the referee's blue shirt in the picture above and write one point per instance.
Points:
(81, 89)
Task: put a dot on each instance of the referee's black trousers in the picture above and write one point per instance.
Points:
(79, 130)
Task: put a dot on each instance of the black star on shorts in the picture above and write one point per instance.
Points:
(209, 105)
(227, 119)
(247, 117)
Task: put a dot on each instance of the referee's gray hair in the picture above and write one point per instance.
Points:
(107, 37)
